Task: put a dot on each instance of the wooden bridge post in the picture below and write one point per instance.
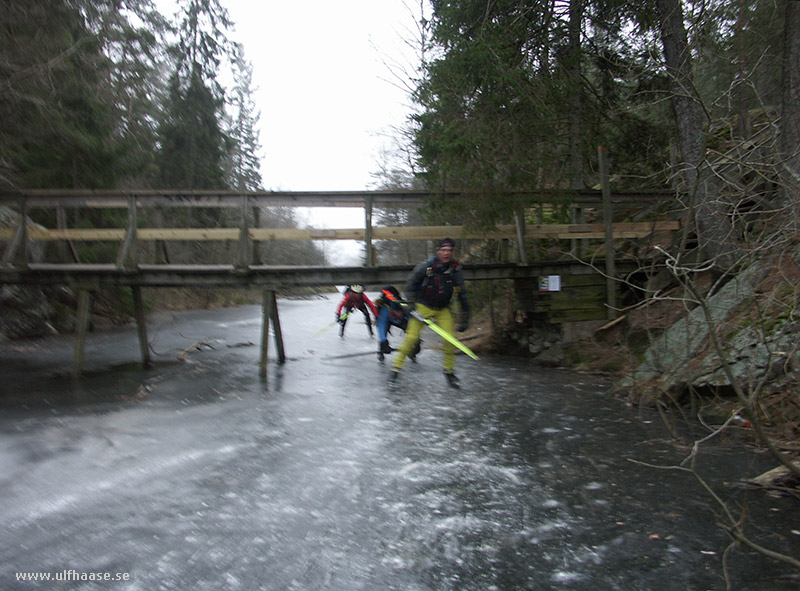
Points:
(81, 328)
(519, 220)
(243, 257)
(256, 256)
(61, 224)
(138, 310)
(578, 245)
(266, 314)
(66, 248)
(608, 213)
(370, 255)
(540, 221)
(270, 312)
(161, 252)
(17, 252)
(128, 251)
(276, 328)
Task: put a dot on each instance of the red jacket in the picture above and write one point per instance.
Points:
(356, 300)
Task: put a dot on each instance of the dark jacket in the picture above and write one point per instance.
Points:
(433, 284)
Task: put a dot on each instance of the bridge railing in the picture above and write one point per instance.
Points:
(132, 229)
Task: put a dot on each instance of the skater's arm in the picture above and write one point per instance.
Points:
(371, 306)
(414, 282)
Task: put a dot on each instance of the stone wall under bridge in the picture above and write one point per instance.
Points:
(555, 311)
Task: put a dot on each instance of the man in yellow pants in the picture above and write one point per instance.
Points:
(428, 290)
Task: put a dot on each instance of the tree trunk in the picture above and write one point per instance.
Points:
(712, 225)
(575, 90)
(789, 139)
(744, 127)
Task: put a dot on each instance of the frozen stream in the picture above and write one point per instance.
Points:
(196, 475)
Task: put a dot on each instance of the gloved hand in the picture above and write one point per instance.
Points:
(410, 306)
(338, 318)
(464, 324)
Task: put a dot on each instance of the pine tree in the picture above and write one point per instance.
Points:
(56, 129)
(193, 143)
(244, 162)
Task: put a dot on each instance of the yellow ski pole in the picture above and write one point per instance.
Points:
(437, 329)
(323, 329)
(444, 334)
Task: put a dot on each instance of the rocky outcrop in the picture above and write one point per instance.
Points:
(25, 312)
(29, 311)
(752, 317)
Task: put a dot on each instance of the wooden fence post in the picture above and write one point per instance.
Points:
(519, 219)
(84, 304)
(370, 255)
(276, 328)
(128, 249)
(138, 310)
(17, 252)
(270, 312)
(243, 255)
(266, 314)
(608, 213)
(256, 260)
(578, 246)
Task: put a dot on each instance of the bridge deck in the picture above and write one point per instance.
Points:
(271, 277)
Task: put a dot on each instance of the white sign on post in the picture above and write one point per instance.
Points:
(550, 283)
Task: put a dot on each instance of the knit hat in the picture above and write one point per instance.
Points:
(446, 242)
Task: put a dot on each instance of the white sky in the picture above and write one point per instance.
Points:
(325, 79)
(323, 89)
(327, 88)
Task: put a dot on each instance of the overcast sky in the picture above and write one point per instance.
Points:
(325, 92)
(326, 85)
(327, 88)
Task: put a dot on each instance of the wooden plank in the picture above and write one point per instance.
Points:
(104, 198)
(419, 232)
(593, 280)
(154, 275)
(189, 234)
(578, 316)
(532, 231)
(567, 281)
(305, 234)
(87, 234)
(555, 306)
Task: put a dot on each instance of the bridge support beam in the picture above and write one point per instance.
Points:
(17, 251)
(81, 328)
(608, 213)
(138, 310)
(369, 249)
(270, 312)
(519, 220)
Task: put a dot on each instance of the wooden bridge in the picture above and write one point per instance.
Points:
(130, 270)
